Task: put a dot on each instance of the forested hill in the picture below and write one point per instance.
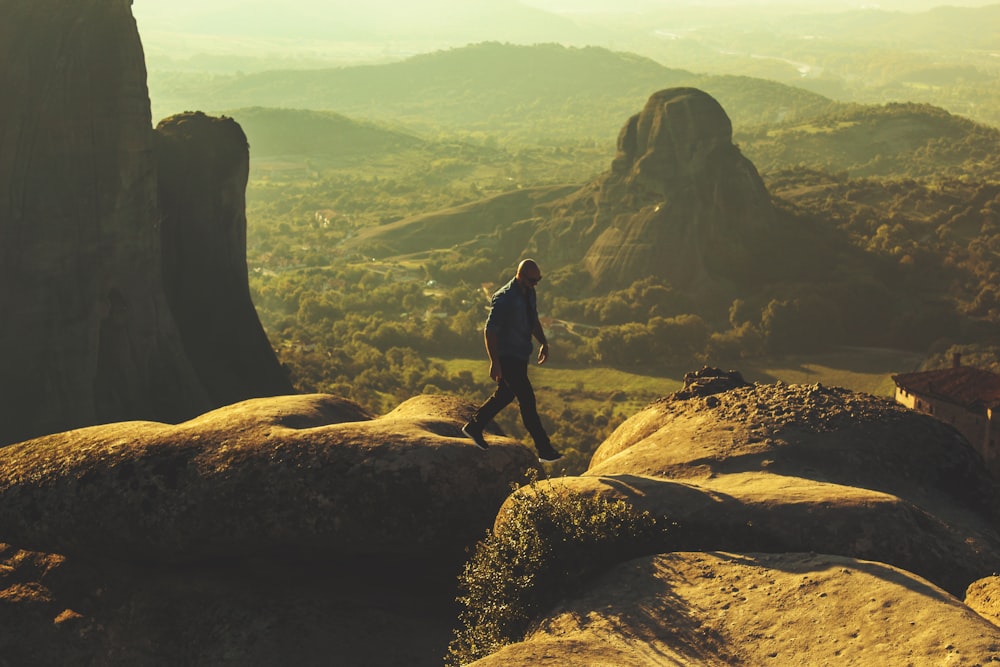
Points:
(301, 132)
(895, 140)
(543, 93)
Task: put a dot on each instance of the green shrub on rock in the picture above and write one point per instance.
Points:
(547, 541)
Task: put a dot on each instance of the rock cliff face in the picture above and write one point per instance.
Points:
(89, 334)
(203, 164)
(680, 202)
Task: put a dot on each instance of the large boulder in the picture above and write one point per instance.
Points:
(809, 468)
(694, 608)
(983, 597)
(310, 475)
(275, 530)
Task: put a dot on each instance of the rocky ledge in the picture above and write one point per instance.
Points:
(807, 525)
(286, 529)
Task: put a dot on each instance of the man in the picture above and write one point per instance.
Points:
(513, 320)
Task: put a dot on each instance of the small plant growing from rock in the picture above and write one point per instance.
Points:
(548, 542)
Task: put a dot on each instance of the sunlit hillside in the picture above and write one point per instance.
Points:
(546, 94)
(896, 52)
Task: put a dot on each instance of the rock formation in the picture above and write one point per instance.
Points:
(794, 512)
(310, 475)
(275, 530)
(90, 334)
(203, 165)
(723, 609)
(874, 520)
(983, 596)
(810, 468)
(680, 202)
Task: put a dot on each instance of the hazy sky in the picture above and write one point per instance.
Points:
(160, 15)
(322, 32)
(159, 10)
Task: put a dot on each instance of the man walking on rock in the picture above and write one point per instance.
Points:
(513, 320)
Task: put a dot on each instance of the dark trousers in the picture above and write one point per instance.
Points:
(514, 384)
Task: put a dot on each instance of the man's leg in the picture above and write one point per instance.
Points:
(515, 376)
(500, 399)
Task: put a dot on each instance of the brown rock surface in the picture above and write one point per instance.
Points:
(246, 611)
(79, 242)
(295, 530)
(692, 608)
(857, 502)
(309, 475)
(202, 165)
(809, 468)
(983, 597)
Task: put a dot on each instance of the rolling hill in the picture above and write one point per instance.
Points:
(532, 94)
(299, 132)
(895, 140)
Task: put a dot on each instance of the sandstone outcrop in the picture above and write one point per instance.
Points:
(94, 338)
(680, 202)
(202, 165)
(809, 468)
(723, 609)
(983, 597)
(80, 262)
(310, 475)
(287, 529)
(876, 521)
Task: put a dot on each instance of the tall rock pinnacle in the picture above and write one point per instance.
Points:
(88, 333)
(203, 165)
(680, 201)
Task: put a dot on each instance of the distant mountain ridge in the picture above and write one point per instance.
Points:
(575, 94)
(940, 28)
(895, 140)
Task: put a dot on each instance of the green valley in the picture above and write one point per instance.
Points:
(372, 246)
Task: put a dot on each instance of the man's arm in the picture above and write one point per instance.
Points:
(543, 351)
(491, 350)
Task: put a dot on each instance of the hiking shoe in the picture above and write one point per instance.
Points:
(546, 454)
(476, 434)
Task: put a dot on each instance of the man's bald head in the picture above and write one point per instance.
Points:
(528, 273)
(528, 267)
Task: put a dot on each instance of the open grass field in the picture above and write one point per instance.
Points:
(865, 370)
(589, 389)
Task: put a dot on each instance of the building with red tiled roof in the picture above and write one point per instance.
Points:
(967, 398)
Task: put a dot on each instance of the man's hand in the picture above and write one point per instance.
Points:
(495, 371)
(543, 353)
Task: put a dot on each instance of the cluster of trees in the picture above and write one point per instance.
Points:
(894, 140)
(379, 337)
